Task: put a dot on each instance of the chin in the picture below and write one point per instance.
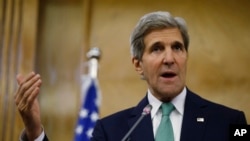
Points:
(171, 94)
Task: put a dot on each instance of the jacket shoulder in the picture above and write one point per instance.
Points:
(118, 116)
(215, 109)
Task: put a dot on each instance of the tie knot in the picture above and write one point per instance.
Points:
(167, 108)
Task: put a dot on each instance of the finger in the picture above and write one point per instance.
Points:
(26, 87)
(31, 89)
(24, 92)
(27, 83)
(20, 78)
(26, 104)
(32, 98)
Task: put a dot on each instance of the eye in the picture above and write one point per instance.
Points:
(178, 46)
(157, 47)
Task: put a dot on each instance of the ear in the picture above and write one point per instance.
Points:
(137, 65)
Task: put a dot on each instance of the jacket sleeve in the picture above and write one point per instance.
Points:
(241, 118)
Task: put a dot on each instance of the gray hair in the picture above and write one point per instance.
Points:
(153, 21)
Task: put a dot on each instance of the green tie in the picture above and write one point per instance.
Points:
(165, 130)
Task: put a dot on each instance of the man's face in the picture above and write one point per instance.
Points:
(164, 63)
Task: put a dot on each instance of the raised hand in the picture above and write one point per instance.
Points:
(26, 99)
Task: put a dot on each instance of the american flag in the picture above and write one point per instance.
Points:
(89, 112)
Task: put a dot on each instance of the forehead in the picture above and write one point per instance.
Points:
(166, 35)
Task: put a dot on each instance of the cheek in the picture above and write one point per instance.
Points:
(182, 63)
(183, 67)
(149, 68)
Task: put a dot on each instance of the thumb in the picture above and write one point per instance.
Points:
(19, 78)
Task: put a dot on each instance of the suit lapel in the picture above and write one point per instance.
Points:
(194, 119)
(144, 130)
(193, 124)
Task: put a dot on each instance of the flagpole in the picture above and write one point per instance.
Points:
(89, 112)
(94, 56)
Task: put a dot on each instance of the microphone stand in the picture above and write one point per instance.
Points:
(145, 112)
(133, 127)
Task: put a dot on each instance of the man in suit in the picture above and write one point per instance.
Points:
(159, 48)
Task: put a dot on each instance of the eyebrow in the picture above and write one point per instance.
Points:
(171, 44)
(177, 43)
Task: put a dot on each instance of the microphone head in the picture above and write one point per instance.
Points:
(147, 110)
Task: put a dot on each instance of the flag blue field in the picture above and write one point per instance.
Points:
(89, 112)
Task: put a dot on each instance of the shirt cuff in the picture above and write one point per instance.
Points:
(23, 136)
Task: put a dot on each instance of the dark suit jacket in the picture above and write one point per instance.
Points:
(215, 127)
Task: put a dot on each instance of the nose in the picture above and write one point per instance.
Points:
(168, 58)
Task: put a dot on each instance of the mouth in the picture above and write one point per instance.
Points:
(168, 75)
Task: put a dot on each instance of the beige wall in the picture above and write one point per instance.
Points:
(59, 56)
(18, 22)
(218, 56)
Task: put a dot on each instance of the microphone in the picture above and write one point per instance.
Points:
(145, 112)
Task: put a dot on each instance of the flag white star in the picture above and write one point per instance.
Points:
(94, 117)
(83, 113)
(79, 130)
(89, 132)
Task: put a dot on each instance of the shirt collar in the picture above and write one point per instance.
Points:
(178, 102)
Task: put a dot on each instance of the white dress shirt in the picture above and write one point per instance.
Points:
(39, 138)
(176, 115)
